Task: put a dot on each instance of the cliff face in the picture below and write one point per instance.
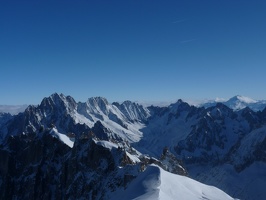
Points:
(45, 168)
(42, 166)
(29, 165)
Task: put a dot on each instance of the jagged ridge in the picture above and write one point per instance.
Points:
(212, 136)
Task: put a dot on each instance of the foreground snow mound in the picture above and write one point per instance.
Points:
(156, 184)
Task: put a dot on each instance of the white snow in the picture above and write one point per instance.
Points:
(156, 184)
(62, 137)
(106, 144)
(134, 158)
(92, 112)
(245, 99)
(237, 103)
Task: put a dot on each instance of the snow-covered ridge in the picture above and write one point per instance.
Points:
(120, 121)
(245, 99)
(236, 103)
(62, 137)
(157, 184)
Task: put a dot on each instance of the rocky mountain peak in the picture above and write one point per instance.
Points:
(180, 106)
(243, 99)
(133, 111)
(239, 102)
(58, 102)
(171, 163)
(98, 103)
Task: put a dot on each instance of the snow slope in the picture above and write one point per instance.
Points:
(124, 120)
(167, 128)
(62, 137)
(248, 184)
(156, 184)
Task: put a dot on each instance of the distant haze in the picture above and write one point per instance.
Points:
(12, 109)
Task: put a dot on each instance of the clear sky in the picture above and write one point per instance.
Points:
(146, 50)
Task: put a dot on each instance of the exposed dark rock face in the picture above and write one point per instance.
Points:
(42, 167)
(100, 131)
(53, 111)
(172, 164)
(31, 167)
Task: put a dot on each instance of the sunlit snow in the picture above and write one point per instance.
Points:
(62, 137)
(156, 184)
(106, 144)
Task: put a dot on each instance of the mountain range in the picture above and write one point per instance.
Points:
(100, 150)
(238, 102)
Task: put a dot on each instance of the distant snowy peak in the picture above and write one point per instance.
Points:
(155, 103)
(242, 99)
(60, 101)
(238, 102)
(119, 121)
(180, 105)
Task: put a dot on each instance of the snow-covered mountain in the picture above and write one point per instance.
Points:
(51, 166)
(242, 171)
(121, 121)
(239, 102)
(206, 143)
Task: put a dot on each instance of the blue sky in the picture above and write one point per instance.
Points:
(146, 50)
